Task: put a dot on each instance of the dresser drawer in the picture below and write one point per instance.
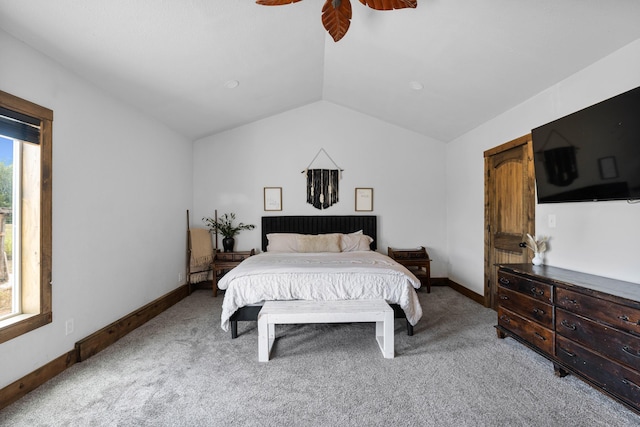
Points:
(528, 307)
(538, 290)
(615, 344)
(618, 315)
(530, 331)
(611, 376)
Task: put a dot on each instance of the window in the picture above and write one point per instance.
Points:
(25, 213)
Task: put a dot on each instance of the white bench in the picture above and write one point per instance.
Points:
(343, 311)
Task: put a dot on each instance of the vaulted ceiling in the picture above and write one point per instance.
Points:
(178, 59)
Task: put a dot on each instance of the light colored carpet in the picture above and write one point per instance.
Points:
(181, 369)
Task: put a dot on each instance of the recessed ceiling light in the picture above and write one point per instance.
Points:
(416, 85)
(231, 84)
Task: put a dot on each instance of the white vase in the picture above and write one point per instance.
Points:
(537, 258)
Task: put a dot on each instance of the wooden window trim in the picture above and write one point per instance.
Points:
(22, 324)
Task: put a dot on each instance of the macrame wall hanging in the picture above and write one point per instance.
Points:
(322, 184)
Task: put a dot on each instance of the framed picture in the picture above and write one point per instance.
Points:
(364, 199)
(272, 198)
(608, 167)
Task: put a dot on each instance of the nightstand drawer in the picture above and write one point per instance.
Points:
(232, 256)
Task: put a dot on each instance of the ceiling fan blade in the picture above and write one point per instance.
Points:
(336, 21)
(275, 2)
(389, 4)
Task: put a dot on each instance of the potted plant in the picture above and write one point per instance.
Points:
(224, 225)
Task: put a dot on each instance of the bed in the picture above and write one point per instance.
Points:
(316, 269)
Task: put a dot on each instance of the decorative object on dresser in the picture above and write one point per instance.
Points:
(225, 226)
(538, 246)
(416, 260)
(225, 261)
(586, 325)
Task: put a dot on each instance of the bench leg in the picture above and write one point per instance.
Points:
(272, 337)
(385, 336)
(263, 339)
(266, 338)
(389, 336)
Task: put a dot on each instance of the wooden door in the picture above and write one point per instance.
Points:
(509, 208)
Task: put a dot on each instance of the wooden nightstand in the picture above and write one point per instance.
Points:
(416, 260)
(225, 261)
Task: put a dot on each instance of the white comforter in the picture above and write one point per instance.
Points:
(319, 276)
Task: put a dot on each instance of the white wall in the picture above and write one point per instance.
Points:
(594, 237)
(406, 171)
(121, 186)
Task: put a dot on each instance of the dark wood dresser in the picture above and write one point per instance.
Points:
(586, 325)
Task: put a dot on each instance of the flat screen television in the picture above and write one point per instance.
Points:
(592, 154)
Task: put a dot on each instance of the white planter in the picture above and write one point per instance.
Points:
(537, 258)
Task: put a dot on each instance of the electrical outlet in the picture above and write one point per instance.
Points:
(180, 278)
(68, 327)
(551, 219)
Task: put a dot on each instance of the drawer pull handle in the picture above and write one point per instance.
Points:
(631, 383)
(568, 325)
(538, 311)
(505, 318)
(504, 297)
(571, 300)
(540, 337)
(630, 352)
(567, 352)
(626, 319)
(537, 292)
(504, 281)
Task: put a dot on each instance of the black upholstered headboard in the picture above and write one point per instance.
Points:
(320, 224)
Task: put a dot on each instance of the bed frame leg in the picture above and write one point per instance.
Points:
(409, 329)
(234, 329)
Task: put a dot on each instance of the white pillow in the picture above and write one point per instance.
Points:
(282, 242)
(319, 243)
(355, 242)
